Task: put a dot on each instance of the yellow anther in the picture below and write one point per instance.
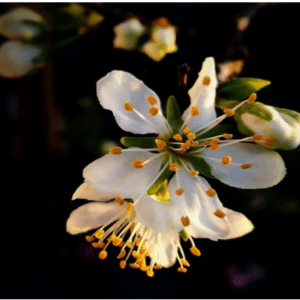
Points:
(122, 264)
(160, 144)
(185, 221)
(89, 238)
(136, 254)
(186, 130)
(177, 137)
(121, 254)
(119, 200)
(219, 214)
(132, 227)
(214, 147)
(115, 150)
(226, 160)
(157, 267)
(194, 144)
(215, 141)
(187, 144)
(195, 251)
(185, 262)
(153, 111)
(151, 100)
(174, 167)
(141, 261)
(195, 111)
(252, 98)
(134, 266)
(257, 137)
(103, 254)
(227, 136)
(193, 173)
(99, 245)
(206, 80)
(229, 112)
(117, 241)
(179, 192)
(210, 192)
(121, 244)
(150, 273)
(182, 270)
(99, 233)
(138, 164)
(129, 207)
(138, 241)
(246, 166)
(128, 106)
(191, 136)
(112, 238)
(130, 245)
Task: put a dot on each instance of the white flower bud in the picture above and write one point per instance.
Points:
(13, 24)
(16, 58)
(128, 34)
(280, 127)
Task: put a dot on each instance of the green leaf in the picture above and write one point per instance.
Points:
(160, 181)
(217, 130)
(140, 142)
(240, 88)
(184, 235)
(200, 165)
(173, 114)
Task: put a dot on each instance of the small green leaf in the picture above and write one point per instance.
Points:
(140, 142)
(200, 165)
(163, 193)
(173, 114)
(240, 88)
(217, 130)
(160, 181)
(184, 235)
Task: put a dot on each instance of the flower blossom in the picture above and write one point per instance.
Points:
(160, 183)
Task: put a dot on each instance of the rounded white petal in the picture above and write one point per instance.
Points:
(118, 87)
(88, 192)
(239, 224)
(203, 96)
(91, 216)
(159, 216)
(198, 206)
(114, 174)
(267, 169)
(16, 58)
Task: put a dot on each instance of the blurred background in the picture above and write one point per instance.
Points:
(53, 126)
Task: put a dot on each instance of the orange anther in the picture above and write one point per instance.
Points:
(177, 137)
(115, 150)
(227, 136)
(153, 111)
(89, 238)
(193, 173)
(98, 245)
(195, 251)
(103, 254)
(157, 267)
(160, 144)
(129, 207)
(128, 106)
(194, 144)
(179, 192)
(229, 112)
(134, 266)
(246, 166)
(119, 200)
(122, 264)
(257, 137)
(210, 192)
(206, 80)
(130, 245)
(195, 111)
(99, 233)
(151, 100)
(226, 160)
(219, 214)
(182, 270)
(174, 167)
(150, 273)
(138, 241)
(252, 98)
(191, 136)
(161, 22)
(214, 147)
(121, 254)
(186, 130)
(138, 164)
(185, 262)
(185, 221)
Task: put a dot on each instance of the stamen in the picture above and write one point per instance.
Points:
(185, 262)
(157, 267)
(138, 164)
(206, 80)
(257, 137)
(121, 254)
(191, 136)
(122, 264)
(227, 136)
(129, 207)
(103, 254)
(246, 166)
(153, 111)
(128, 106)
(185, 221)
(89, 238)
(193, 173)
(151, 100)
(252, 98)
(229, 112)
(134, 266)
(186, 130)
(195, 111)
(195, 251)
(160, 144)
(182, 270)
(115, 150)
(219, 214)
(210, 192)
(98, 245)
(195, 144)
(174, 167)
(177, 137)
(226, 160)
(119, 200)
(179, 192)
(150, 273)
(99, 233)
(214, 147)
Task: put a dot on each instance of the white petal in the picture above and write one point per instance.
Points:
(267, 166)
(239, 224)
(203, 96)
(199, 207)
(114, 174)
(86, 191)
(118, 87)
(91, 216)
(159, 216)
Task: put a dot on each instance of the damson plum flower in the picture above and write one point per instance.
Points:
(158, 177)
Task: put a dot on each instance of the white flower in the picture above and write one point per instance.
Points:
(13, 23)
(128, 34)
(162, 42)
(169, 168)
(17, 58)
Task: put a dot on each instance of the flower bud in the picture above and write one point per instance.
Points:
(280, 127)
(21, 23)
(128, 34)
(17, 58)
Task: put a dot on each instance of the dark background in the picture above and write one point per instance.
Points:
(53, 126)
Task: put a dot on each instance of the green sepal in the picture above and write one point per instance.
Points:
(184, 235)
(173, 114)
(240, 88)
(163, 193)
(140, 142)
(217, 130)
(112, 200)
(200, 165)
(167, 173)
